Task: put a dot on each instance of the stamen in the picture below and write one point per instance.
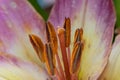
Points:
(49, 59)
(61, 36)
(51, 36)
(67, 27)
(76, 56)
(38, 46)
(78, 35)
(60, 68)
(58, 75)
(48, 52)
(68, 55)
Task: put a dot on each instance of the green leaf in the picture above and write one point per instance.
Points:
(42, 12)
(117, 7)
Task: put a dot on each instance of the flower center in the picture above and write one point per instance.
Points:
(67, 67)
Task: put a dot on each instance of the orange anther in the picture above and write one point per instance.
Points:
(51, 36)
(67, 27)
(37, 45)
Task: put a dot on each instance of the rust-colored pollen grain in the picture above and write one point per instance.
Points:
(51, 36)
(78, 35)
(37, 45)
(76, 56)
(67, 27)
(49, 59)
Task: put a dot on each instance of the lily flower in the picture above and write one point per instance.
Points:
(75, 42)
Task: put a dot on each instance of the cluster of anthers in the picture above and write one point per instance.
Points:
(63, 66)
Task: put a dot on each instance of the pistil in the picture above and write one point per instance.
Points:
(61, 36)
(62, 76)
(48, 52)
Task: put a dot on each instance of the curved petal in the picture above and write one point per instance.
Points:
(98, 33)
(97, 18)
(18, 19)
(66, 8)
(112, 70)
(12, 68)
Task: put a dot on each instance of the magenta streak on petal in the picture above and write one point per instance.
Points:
(22, 16)
(6, 33)
(100, 13)
(98, 20)
(106, 17)
(12, 60)
(11, 65)
(64, 8)
(104, 14)
(18, 19)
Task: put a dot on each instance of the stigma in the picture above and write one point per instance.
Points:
(63, 65)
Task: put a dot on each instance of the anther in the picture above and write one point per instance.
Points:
(49, 59)
(67, 27)
(51, 36)
(37, 45)
(78, 35)
(76, 56)
(61, 36)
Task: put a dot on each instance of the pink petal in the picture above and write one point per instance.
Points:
(65, 8)
(12, 68)
(18, 19)
(97, 18)
(98, 33)
(112, 70)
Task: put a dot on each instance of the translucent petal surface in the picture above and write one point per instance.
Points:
(112, 70)
(18, 19)
(97, 18)
(98, 33)
(12, 68)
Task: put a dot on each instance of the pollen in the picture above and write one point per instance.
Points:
(38, 46)
(63, 65)
(67, 27)
(51, 36)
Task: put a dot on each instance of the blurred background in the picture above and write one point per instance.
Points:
(44, 6)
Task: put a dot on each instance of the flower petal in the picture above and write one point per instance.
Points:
(64, 8)
(73, 9)
(98, 33)
(12, 68)
(97, 18)
(18, 19)
(112, 70)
